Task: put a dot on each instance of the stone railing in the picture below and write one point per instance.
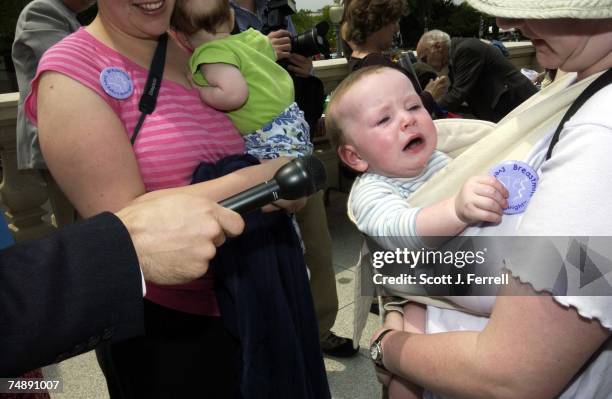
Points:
(522, 55)
(23, 194)
(331, 72)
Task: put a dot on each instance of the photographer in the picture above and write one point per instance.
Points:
(252, 14)
(312, 218)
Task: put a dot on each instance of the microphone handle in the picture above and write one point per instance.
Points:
(253, 198)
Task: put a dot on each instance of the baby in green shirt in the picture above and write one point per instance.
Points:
(238, 74)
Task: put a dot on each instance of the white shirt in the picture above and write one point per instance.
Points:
(573, 199)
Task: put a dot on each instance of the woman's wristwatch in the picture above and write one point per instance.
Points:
(376, 351)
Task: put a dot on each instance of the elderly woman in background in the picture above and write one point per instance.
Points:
(104, 150)
(368, 27)
(536, 344)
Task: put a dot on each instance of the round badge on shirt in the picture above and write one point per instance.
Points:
(116, 83)
(521, 181)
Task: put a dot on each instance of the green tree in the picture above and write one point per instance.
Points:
(457, 20)
(304, 20)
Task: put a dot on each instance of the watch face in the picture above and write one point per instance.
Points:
(374, 352)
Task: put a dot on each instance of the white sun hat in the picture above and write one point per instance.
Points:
(545, 9)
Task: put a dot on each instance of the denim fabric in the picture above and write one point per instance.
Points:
(246, 19)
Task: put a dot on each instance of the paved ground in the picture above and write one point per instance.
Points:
(349, 378)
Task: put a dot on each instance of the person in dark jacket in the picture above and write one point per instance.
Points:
(83, 285)
(479, 75)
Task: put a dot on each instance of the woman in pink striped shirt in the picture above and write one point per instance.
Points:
(85, 101)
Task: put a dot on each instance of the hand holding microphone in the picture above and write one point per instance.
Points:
(299, 178)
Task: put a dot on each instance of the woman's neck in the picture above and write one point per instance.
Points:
(138, 49)
(363, 50)
(602, 65)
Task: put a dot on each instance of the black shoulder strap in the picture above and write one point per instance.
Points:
(599, 83)
(154, 79)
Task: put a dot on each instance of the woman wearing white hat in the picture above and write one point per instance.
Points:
(539, 341)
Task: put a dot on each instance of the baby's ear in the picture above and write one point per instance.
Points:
(349, 155)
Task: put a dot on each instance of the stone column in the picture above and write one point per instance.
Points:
(22, 192)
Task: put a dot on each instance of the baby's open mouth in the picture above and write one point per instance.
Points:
(414, 143)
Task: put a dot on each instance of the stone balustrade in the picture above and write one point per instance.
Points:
(24, 193)
(331, 72)
(522, 55)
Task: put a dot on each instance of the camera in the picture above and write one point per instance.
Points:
(308, 43)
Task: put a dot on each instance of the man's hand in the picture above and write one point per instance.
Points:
(176, 235)
(300, 65)
(438, 87)
(481, 199)
(281, 43)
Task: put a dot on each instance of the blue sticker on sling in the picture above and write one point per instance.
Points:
(521, 181)
(116, 83)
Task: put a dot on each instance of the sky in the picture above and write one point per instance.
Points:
(312, 5)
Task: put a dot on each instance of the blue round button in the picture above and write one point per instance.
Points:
(116, 83)
(521, 181)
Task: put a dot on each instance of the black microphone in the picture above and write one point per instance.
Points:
(296, 179)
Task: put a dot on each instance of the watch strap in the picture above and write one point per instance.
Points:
(378, 343)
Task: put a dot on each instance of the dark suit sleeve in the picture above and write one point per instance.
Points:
(63, 295)
(468, 62)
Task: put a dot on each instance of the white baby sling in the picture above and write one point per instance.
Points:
(474, 146)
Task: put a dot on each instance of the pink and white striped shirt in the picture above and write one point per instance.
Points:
(173, 140)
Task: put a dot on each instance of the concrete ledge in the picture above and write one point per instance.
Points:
(331, 72)
(8, 106)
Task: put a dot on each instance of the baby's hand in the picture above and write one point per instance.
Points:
(438, 87)
(481, 199)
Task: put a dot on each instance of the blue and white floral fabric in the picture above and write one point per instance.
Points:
(286, 136)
